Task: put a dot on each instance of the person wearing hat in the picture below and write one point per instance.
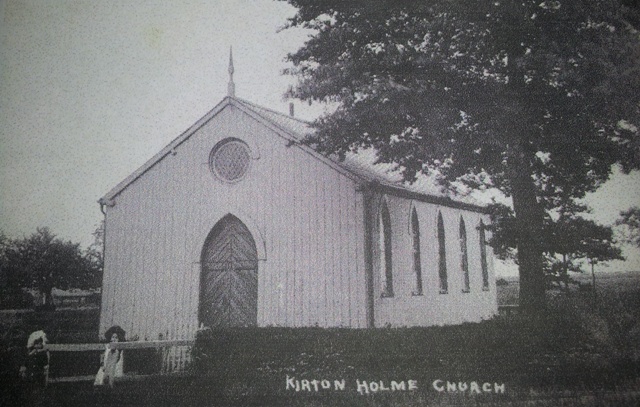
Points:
(112, 359)
(37, 362)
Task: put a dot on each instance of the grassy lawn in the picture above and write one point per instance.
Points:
(579, 352)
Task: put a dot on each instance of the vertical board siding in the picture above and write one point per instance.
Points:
(343, 245)
(147, 272)
(334, 303)
(304, 300)
(331, 268)
(276, 244)
(310, 219)
(431, 308)
(306, 211)
(322, 266)
(290, 245)
(358, 293)
(347, 250)
(311, 262)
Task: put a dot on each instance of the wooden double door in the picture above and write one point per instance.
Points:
(229, 276)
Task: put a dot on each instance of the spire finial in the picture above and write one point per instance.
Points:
(231, 87)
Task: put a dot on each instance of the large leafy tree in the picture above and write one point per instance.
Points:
(629, 222)
(43, 261)
(537, 99)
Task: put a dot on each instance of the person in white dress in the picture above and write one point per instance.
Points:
(112, 359)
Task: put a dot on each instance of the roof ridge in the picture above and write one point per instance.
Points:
(244, 101)
(358, 168)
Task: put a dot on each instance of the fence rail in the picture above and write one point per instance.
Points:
(150, 358)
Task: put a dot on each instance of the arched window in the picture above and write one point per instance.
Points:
(386, 265)
(464, 259)
(417, 268)
(483, 257)
(442, 256)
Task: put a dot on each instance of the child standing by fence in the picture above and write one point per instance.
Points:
(112, 359)
(37, 361)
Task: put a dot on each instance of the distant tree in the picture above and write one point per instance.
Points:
(569, 242)
(5, 242)
(535, 98)
(11, 293)
(95, 252)
(629, 222)
(575, 242)
(42, 261)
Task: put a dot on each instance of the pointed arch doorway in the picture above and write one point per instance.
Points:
(229, 276)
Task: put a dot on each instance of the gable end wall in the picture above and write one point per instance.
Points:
(308, 216)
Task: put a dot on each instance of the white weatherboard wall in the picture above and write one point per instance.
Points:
(306, 217)
(315, 225)
(432, 307)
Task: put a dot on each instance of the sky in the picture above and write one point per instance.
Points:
(90, 90)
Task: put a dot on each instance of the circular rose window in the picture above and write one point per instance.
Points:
(229, 160)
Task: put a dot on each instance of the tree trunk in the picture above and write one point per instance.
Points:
(593, 277)
(529, 217)
(565, 273)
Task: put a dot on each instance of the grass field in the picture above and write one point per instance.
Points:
(609, 282)
(580, 352)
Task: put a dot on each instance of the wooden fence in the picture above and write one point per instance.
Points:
(80, 362)
(508, 310)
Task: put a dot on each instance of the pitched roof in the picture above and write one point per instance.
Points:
(360, 166)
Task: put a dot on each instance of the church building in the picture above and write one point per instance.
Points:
(238, 223)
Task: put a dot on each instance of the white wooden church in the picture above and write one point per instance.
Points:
(238, 223)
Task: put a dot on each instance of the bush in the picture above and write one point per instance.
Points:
(606, 328)
(45, 308)
(571, 345)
